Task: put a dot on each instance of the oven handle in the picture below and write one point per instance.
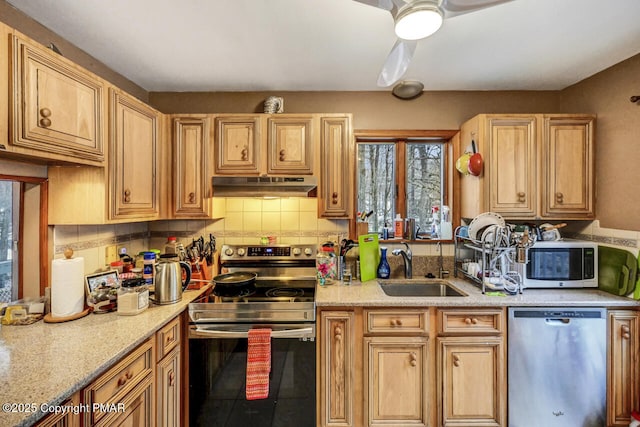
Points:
(287, 333)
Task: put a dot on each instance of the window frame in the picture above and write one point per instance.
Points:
(401, 138)
(43, 230)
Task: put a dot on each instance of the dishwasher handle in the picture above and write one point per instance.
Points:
(559, 321)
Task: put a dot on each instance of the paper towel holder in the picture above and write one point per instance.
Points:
(48, 318)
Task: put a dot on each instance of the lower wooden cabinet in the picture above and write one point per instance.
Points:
(623, 374)
(396, 385)
(471, 378)
(67, 419)
(168, 374)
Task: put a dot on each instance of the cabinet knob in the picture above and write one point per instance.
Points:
(470, 320)
(522, 196)
(396, 322)
(282, 155)
(626, 332)
(244, 154)
(559, 197)
(45, 112)
(337, 333)
(192, 197)
(45, 123)
(334, 198)
(172, 377)
(413, 359)
(127, 195)
(456, 360)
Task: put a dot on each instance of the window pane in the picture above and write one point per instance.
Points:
(376, 182)
(424, 181)
(7, 278)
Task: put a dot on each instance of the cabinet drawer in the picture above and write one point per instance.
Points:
(114, 384)
(471, 322)
(168, 337)
(396, 321)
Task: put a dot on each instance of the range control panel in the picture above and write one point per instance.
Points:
(234, 252)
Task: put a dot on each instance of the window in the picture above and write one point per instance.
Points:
(9, 191)
(401, 175)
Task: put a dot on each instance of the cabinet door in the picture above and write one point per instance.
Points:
(190, 167)
(336, 162)
(57, 106)
(395, 391)
(471, 381)
(237, 144)
(568, 164)
(337, 365)
(136, 408)
(290, 145)
(68, 419)
(133, 158)
(168, 383)
(623, 375)
(512, 166)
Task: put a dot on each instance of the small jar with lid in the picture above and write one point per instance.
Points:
(133, 297)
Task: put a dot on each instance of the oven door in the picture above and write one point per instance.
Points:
(217, 377)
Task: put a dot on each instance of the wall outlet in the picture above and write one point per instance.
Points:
(110, 254)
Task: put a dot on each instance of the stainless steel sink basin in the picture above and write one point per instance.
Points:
(421, 288)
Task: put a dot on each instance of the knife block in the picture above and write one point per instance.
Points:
(200, 270)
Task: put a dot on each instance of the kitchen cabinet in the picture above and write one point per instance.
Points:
(623, 375)
(128, 387)
(337, 386)
(191, 162)
(336, 187)
(535, 166)
(134, 144)
(259, 144)
(396, 367)
(168, 373)
(6, 34)
(56, 110)
(67, 419)
(471, 368)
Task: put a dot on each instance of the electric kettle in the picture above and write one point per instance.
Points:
(168, 280)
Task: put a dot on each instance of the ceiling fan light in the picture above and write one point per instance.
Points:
(418, 21)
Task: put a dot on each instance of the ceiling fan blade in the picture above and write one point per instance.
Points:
(397, 62)
(382, 4)
(454, 8)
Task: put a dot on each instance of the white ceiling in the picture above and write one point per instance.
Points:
(318, 45)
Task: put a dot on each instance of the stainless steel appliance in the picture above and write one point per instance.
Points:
(282, 299)
(557, 367)
(168, 283)
(562, 264)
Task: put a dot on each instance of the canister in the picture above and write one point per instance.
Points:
(133, 297)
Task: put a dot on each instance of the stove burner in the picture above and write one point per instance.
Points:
(233, 292)
(284, 292)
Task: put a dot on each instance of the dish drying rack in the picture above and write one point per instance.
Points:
(495, 257)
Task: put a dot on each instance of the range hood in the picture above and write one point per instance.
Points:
(263, 186)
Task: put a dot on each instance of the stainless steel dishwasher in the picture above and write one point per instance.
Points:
(557, 367)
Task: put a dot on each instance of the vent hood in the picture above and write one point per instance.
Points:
(263, 186)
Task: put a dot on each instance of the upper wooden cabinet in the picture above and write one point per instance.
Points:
(57, 107)
(191, 162)
(335, 195)
(258, 144)
(535, 166)
(134, 155)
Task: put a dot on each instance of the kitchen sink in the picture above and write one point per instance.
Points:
(419, 288)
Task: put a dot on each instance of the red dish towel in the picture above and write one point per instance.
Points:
(258, 363)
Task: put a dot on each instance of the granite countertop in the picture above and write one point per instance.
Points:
(370, 294)
(45, 363)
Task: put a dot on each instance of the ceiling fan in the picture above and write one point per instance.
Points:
(415, 20)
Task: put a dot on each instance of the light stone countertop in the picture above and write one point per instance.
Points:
(370, 294)
(45, 363)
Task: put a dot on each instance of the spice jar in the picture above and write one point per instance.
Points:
(133, 297)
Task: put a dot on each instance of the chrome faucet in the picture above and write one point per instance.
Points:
(441, 271)
(406, 256)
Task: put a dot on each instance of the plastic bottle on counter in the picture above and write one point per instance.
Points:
(398, 227)
(148, 268)
(171, 247)
(446, 229)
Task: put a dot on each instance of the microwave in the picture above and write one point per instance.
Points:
(561, 264)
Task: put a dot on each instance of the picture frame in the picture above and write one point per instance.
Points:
(94, 281)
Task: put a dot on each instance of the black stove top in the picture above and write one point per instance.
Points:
(268, 290)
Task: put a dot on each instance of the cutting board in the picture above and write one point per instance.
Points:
(369, 256)
(617, 270)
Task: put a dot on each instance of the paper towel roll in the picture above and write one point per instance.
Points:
(67, 287)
